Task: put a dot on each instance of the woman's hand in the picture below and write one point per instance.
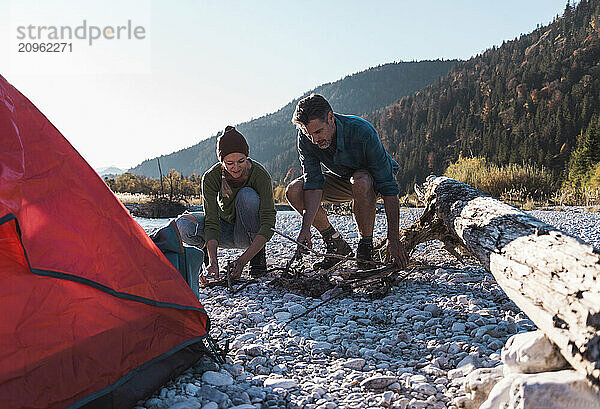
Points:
(237, 267)
(213, 268)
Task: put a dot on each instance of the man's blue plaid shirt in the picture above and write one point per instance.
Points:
(358, 147)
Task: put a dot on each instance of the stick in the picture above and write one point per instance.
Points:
(228, 273)
(315, 307)
(288, 265)
(380, 274)
(246, 284)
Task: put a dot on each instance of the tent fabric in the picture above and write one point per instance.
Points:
(89, 305)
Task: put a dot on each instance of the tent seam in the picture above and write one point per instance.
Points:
(90, 283)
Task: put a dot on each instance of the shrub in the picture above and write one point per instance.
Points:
(512, 182)
(279, 195)
(577, 196)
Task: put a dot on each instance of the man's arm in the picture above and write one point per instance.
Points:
(313, 187)
(311, 165)
(312, 201)
(396, 253)
(379, 165)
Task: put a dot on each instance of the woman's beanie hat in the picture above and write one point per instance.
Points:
(231, 141)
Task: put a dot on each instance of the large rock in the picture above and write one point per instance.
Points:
(256, 316)
(548, 390)
(531, 352)
(479, 383)
(500, 394)
(296, 309)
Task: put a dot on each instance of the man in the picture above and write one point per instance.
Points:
(357, 169)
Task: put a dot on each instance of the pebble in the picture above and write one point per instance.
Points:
(256, 317)
(192, 389)
(296, 309)
(280, 383)
(458, 327)
(217, 378)
(212, 394)
(357, 364)
(253, 350)
(188, 404)
(283, 315)
(378, 382)
(411, 349)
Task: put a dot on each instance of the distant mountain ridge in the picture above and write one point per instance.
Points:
(109, 171)
(272, 138)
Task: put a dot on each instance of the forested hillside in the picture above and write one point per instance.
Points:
(535, 99)
(272, 137)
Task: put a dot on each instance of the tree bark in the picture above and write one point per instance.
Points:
(552, 276)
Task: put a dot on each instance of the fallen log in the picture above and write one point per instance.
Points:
(552, 276)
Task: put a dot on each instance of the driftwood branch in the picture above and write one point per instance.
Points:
(553, 277)
(349, 257)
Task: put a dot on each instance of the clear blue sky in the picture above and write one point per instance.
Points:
(205, 64)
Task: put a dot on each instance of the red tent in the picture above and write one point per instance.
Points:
(91, 313)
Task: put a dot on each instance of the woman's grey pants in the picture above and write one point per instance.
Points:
(233, 236)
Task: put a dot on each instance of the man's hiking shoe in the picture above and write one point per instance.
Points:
(335, 245)
(364, 252)
(258, 264)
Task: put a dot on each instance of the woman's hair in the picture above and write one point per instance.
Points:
(231, 141)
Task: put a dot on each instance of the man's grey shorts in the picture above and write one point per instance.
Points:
(337, 189)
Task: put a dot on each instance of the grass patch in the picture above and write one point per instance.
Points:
(140, 198)
(525, 185)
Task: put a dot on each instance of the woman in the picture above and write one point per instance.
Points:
(239, 210)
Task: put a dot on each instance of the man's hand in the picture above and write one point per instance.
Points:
(304, 238)
(396, 253)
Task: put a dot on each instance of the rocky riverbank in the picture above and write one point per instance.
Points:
(411, 349)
